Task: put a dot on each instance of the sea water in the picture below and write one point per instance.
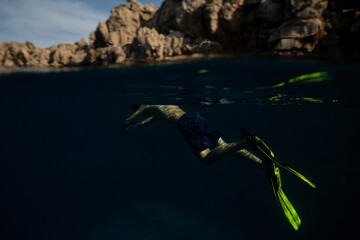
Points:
(68, 172)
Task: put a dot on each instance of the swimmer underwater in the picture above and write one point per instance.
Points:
(206, 143)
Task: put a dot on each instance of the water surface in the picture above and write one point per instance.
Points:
(67, 172)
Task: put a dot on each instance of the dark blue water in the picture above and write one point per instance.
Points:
(66, 172)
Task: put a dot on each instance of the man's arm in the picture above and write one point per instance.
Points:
(142, 123)
(136, 114)
(130, 119)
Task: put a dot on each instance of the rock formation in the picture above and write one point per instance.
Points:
(134, 32)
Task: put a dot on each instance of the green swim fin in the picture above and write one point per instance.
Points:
(283, 201)
(260, 146)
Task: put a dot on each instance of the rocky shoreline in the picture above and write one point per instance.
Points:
(179, 29)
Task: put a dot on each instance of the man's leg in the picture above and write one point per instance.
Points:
(244, 154)
(208, 156)
(236, 149)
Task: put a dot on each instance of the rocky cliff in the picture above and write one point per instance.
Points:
(134, 32)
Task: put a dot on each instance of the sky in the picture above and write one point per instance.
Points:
(49, 22)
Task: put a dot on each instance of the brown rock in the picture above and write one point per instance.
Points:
(232, 17)
(23, 55)
(9, 63)
(184, 16)
(92, 56)
(114, 38)
(201, 46)
(111, 55)
(147, 13)
(211, 16)
(40, 58)
(81, 43)
(271, 10)
(303, 29)
(164, 19)
(173, 43)
(299, 28)
(124, 22)
(117, 54)
(61, 54)
(286, 27)
(78, 58)
(30, 46)
(189, 18)
(2, 54)
(92, 38)
(108, 55)
(306, 8)
(289, 44)
(14, 54)
(301, 34)
(101, 35)
(151, 43)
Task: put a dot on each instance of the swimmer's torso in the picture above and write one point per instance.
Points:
(167, 113)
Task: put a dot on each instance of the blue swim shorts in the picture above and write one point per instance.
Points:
(197, 132)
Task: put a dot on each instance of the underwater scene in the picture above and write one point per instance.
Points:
(68, 171)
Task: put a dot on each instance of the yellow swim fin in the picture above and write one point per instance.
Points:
(260, 146)
(273, 174)
(284, 203)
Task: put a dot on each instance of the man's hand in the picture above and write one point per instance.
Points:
(125, 128)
